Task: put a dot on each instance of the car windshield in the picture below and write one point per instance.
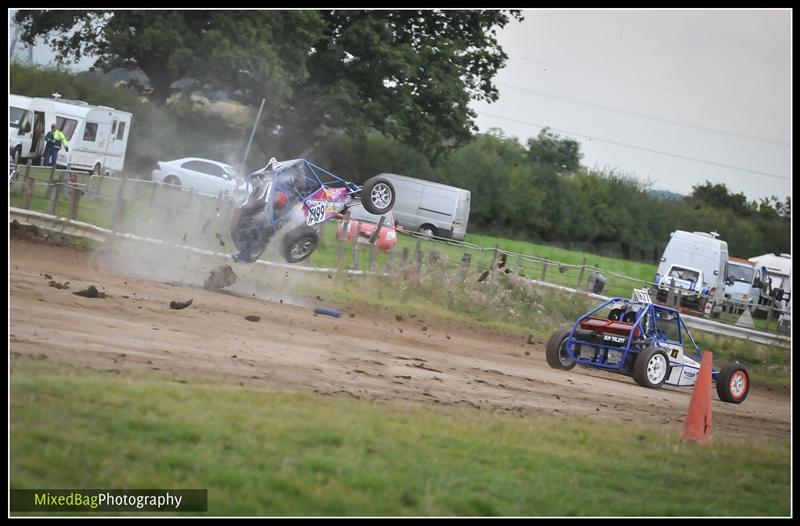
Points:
(740, 273)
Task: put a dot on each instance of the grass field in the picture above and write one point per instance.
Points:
(284, 453)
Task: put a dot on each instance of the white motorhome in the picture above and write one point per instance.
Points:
(432, 208)
(26, 128)
(779, 272)
(97, 135)
(694, 265)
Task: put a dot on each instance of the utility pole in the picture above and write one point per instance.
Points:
(252, 134)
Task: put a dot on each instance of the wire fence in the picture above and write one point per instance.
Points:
(128, 204)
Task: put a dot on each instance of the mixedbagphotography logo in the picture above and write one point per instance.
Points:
(97, 500)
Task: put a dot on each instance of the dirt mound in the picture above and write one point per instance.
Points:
(35, 234)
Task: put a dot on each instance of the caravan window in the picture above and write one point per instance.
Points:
(121, 131)
(90, 133)
(67, 126)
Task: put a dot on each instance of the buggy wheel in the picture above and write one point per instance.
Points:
(377, 195)
(651, 368)
(556, 351)
(299, 244)
(733, 383)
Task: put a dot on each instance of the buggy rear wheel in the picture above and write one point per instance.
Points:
(651, 368)
(733, 383)
(377, 195)
(556, 351)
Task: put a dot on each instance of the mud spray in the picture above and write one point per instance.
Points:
(170, 252)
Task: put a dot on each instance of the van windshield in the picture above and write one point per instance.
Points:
(740, 273)
(15, 116)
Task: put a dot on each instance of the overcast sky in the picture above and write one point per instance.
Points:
(672, 97)
(667, 96)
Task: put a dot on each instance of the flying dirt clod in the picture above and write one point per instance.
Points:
(91, 292)
(177, 305)
(220, 277)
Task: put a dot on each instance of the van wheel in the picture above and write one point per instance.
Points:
(97, 170)
(16, 154)
(427, 230)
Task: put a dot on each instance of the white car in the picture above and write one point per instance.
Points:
(205, 176)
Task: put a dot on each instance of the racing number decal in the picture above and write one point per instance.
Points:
(316, 214)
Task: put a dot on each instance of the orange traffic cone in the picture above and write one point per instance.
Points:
(698, 419)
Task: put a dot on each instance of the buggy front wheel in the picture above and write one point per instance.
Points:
(299, 244)
(651, 368)
(377, 195)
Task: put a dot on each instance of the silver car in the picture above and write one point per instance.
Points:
(205, 176)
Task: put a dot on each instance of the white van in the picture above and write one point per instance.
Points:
(694, 263)
(97, 135)
(744, 281)
(432, 208)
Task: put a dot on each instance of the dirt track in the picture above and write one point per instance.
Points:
(367, 354)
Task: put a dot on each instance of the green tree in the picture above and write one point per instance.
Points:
(249, 53)
(409, 74)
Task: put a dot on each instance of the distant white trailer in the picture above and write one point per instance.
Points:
(97, 135)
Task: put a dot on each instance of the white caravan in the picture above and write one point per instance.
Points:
(694, 265)
(432, 208)
(97, 135)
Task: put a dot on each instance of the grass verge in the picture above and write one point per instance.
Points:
(289, 454)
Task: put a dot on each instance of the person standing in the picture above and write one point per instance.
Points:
(54, 140)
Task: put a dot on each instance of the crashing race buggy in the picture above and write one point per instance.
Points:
(296, 197)
(649, 342)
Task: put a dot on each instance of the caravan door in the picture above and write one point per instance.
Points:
(115, 152)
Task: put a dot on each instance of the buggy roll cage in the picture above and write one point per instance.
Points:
(644, 309)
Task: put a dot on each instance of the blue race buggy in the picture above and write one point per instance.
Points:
(295, 197)
(649, 342)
